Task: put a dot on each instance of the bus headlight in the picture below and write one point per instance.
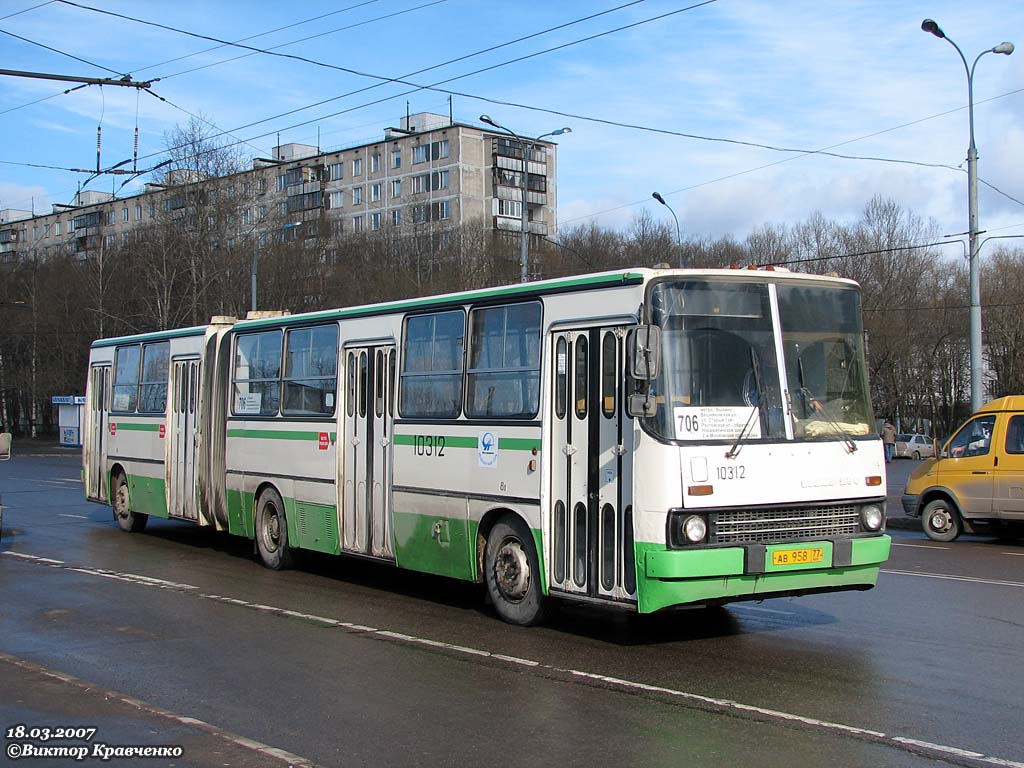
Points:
(695, 529)
(872, 517)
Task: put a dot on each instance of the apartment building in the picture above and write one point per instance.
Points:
(426, 175)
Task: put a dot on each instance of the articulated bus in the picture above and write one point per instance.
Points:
(646, 438)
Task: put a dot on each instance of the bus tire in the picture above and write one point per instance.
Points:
(129, 521)
(272, 531)
(941, 521)
(512, 573)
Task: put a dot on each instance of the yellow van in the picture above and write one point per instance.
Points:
(976, 483)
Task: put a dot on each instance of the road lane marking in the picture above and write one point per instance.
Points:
(80, 517)
(727, 706)
(971, 579)
(242, 741)
(1014, 554)
(919, 546)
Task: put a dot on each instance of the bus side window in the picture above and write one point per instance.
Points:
(362, 384)
(582, 369)
(351, 394)
(609, 368)
(561, 377)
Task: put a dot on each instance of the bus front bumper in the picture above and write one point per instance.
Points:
(725, 574)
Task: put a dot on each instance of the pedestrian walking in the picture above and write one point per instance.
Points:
(889, 440)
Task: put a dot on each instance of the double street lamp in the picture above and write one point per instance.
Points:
(972, 204)
(527, 146)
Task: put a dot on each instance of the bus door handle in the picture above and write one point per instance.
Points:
(355, 440)
(979, 472)
(385, 442)
(569, 450)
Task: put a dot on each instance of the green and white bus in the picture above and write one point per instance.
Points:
(646, 438)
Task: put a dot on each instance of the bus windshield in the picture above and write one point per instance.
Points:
(823, 344)
(720, 377)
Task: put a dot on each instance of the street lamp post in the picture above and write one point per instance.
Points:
(527, 147)
(679, 238)
(972, 205)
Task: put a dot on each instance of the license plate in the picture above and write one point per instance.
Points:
(798, 556)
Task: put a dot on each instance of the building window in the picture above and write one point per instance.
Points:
(261, 185)
(396, 217)
(510, 208)
(35, 232)
(357, 224)
(124, 239)
(338, 226)
(357, 195)
(246, 216)
(375, 221)
(396, 158)
(337, 199)
(396, 188)
(282, 182)
(152, 211)
(375, 192)
(432, 361)
(503, 376)
(375, 162)
(124, 214)
(441, 210)
(311, 370)
(108, 241)
(56, 228)
(257, 376)
(262, 213)
(420, 153)
(111, 217)
(337, 171)
(282, 208)
(138, 213)
(357, 167)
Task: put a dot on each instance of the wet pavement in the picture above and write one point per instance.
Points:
(351, 663)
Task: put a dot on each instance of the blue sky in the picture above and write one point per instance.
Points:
(804, 75)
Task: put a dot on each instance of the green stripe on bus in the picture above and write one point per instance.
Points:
(129, 426)
(278, 434)
(518, 443)
(454, 441)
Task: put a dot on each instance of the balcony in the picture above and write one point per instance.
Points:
(506, 224)
(516, 193)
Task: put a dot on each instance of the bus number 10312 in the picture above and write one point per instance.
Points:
(732, 472)
(429, 445)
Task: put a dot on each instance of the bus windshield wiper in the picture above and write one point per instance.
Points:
(762, 406)
(818, 407)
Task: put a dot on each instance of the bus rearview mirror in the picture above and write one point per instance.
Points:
(645, 352)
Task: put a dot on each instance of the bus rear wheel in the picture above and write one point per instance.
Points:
(129, 521)
(512, 573)
(272, 531)
(940, 521)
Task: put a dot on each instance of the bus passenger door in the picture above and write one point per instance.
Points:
(369, 410)
(183, 420)
(591, 527)
(99, 400)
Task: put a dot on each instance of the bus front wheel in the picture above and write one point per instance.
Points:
(272, 531)
(133, 522)
(941, 521)
(512, 573)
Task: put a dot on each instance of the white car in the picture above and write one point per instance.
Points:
(914, 446)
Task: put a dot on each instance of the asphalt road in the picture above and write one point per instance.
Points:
(177, 636)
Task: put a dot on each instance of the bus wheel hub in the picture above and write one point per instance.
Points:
(512, 570)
